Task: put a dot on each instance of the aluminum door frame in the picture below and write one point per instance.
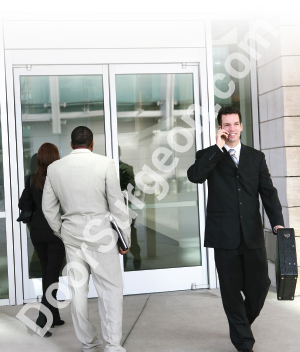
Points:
(31, 286)
(159, 280)
(11, 300)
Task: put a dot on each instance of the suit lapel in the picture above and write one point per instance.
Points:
(228, 158)
(244, 157)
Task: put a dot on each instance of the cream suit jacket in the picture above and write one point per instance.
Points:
(86, 187)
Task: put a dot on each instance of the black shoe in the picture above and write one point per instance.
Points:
(48, 334)
(246, 350)
(57, 323)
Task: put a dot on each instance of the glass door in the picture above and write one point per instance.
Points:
(6, 254)
(50, 102)
(154, 143)
(140, 116)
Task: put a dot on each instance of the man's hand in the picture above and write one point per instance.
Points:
(123, 252)
(278, 227)
(221, 137)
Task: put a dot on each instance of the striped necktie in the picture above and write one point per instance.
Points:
(233, 157)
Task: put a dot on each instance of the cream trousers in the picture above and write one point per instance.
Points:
(107, 277)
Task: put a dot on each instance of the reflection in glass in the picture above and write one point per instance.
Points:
(165, 233)
(127, 177)
(3, 261)
(4, 294)
(52, 106)
(226, 36)
(2, 204)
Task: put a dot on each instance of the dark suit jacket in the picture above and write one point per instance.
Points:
(38, 219)
(233, 196)
(126, 175)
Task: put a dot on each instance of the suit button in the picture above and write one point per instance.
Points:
(240, 203)
(241, 217)
(237, 176)
(239, 190)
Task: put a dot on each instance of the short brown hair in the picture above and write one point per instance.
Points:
(228, 110)
(47, 153)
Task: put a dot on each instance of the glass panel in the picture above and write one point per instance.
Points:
(226, 36)
(2, 204)
(52, 106)
(3, 261)
(4, 293)
(166, 233)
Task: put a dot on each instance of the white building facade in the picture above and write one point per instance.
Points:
(139, 85)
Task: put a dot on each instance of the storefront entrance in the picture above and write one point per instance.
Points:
(138, 114)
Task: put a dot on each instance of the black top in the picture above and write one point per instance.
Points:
(38, 219)
(233, 206)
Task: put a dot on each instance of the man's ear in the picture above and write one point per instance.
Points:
(71, 144)
(242, 127)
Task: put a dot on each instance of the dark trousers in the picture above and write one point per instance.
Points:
(51, 252)
(135, 249)
(242, 270)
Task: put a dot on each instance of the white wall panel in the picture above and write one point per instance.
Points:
(270, 76)
(103, 56)
(103, 34)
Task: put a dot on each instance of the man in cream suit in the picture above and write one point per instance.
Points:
(86, 187)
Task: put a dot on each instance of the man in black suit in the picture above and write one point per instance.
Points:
(236, 176)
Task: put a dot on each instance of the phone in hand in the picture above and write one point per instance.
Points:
(224, 135)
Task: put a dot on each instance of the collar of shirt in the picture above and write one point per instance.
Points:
(237, 149)
(80, 150)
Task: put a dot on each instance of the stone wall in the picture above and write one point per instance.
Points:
(278, 71)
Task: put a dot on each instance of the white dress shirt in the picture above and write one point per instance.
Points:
(237, 149)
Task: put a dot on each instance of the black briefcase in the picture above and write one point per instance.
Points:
(286, 264)
(121, 239)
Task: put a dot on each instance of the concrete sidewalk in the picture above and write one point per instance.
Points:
(192, 321)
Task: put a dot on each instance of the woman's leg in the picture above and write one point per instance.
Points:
(55, 255)
(51, 252)
(41, 249)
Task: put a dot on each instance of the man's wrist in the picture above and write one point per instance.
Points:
(220, 147)
(275, 228)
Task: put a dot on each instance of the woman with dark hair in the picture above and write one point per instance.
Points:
(49, 248)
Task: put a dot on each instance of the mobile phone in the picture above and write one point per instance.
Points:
(224, 136)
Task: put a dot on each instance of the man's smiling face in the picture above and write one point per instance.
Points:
(231, 123)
